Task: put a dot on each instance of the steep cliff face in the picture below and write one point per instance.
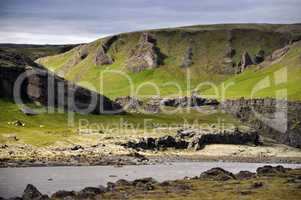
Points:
(44, 87)
(277, 119)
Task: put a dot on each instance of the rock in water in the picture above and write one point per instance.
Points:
(32, 193)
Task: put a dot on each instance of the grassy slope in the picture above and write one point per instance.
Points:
(289, 65)
(55, 127)
(209, 44)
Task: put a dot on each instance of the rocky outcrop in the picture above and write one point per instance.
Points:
(63, 94)
(246, 61)
(197, 142)
(32, 193)
(157, 143)
(187, 59)
(101, 58)
(153, 104)
(41, 85)
(145, 55)
(188, 101)
(270, 170)
(242, 175)
(217, 174)
(129, 103)
(278, 53)
(261, 115)
(80, 53)
(236, 137)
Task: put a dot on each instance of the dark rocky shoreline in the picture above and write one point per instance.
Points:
(123, 189)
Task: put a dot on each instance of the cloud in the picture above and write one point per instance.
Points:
(75, 21)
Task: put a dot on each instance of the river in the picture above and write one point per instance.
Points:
(51, 179)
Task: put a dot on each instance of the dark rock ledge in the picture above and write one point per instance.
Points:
(196, 141)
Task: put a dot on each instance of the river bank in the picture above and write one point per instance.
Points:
(243, 180)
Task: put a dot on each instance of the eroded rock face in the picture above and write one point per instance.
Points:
(246, 61)
(41, 83)
(260, 114)
(45, 87)
(101, 58)
(279, 53)
(81, 52)
(144, 55)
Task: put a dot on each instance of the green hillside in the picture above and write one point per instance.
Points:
(285, 74)
(209, 59)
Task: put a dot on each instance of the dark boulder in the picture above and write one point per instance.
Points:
(217, 174)
(90, 192)
(77, 147)
(270, 170)
(64, 195)
(245, 175)
(144, 184)
(32, 193)
(123, 182)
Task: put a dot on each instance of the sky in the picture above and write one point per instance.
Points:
(79, 21)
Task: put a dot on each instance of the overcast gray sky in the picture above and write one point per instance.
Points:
(76, 21)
